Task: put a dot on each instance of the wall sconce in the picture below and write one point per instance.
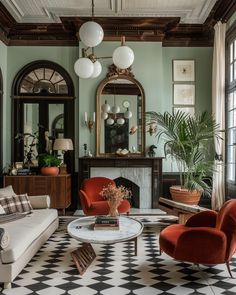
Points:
(89, 122)
(152, 129)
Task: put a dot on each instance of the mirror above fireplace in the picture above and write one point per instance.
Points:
(120, 108)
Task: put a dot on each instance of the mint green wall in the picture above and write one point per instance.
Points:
(3, 66)
(19, 56)
(152, 67)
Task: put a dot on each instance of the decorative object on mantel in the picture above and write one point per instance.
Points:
(122, 152)
(114, 195)
(91, 34)
(63, 145)
(190, 141)
(151, 152)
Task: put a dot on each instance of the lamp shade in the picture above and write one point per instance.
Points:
(97, 68)
(84, 67)
(106, 107)
(128, 114)
(63, 144)
(123, 57)
(91, 34)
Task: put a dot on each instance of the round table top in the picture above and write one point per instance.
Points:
(82, 230)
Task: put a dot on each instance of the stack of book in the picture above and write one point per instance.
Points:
(106, 223)
(23, 171)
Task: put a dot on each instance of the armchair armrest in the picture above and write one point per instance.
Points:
(40, 202)
(204, 218)
(201, 245)
(85, 201)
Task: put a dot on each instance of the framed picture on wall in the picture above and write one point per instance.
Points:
(188, 110)
(184, 94)
(183, 70)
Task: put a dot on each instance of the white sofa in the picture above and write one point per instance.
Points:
(26, 236)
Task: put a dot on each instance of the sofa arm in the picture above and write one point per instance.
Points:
(39, 202)
(4, 239)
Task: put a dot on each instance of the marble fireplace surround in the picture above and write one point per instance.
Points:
(144, 171)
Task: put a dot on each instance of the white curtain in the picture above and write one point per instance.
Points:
(218, 109)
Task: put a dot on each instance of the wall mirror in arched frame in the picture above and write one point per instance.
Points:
(122, 127)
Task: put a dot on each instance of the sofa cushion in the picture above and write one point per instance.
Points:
(22, 203)
(8, 204)
(24, 231)
(7, 191)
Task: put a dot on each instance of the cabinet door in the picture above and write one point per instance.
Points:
(57, 188)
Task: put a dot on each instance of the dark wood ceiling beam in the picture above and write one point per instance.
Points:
(167, 30)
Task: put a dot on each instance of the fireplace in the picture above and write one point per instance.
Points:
(143, 171)
(133, 187)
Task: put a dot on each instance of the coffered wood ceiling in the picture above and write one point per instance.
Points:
(56, 22)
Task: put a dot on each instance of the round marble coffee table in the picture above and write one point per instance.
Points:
(82, 230)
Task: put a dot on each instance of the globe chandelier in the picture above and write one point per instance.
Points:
(89, 66)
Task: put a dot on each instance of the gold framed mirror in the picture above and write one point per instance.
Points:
(120, 109)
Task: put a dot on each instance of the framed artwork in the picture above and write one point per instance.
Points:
(189, 110)
(183, 70)
(184, 94)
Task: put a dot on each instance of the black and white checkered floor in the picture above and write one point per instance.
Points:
(116, 271)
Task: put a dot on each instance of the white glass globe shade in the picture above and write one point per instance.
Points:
(115, 109)
(97, 69)
(120, 121)
(104, 115)
(106, 107)
(128, 114)
(110, 121)
(123, 57)
(91, 34)
(84, 67)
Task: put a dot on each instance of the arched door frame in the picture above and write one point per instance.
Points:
(18, 99)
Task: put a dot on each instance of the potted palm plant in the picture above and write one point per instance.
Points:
(189, 140)
(48, 164)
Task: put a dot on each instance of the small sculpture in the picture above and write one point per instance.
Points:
(151, 152)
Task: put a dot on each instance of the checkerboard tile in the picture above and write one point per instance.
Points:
(116, 271)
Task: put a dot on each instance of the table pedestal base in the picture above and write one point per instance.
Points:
(83, 257)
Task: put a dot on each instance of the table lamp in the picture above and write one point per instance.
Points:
(64, 145)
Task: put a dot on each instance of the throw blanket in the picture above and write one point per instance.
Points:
(4, 239)
(11, 217)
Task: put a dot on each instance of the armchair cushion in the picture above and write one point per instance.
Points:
(205, 218)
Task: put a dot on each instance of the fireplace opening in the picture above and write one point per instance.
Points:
(133, 187)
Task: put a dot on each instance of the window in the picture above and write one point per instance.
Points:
(231, 111)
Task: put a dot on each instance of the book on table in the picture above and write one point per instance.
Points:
(106, 223)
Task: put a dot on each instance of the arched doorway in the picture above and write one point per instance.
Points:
(41, 91)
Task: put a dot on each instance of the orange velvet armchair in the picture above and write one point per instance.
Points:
(94, 204)
(207, 237)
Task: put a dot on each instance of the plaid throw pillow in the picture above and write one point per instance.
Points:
(22, 203)
(8, 205)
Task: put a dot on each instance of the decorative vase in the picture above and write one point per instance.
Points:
(49, 171)
(185, 196)
(113, 205)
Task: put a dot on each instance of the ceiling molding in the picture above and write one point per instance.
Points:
(62, 32)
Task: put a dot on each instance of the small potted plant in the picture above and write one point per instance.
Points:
(49, 164)
(189, 140)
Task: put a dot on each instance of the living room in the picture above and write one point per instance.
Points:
(44, 97)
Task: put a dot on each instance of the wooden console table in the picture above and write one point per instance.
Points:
(57, 187)
(86, 163)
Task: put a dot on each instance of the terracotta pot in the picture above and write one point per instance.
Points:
(185, 196)
(50, 171)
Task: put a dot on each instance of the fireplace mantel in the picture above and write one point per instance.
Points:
(86, 163)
